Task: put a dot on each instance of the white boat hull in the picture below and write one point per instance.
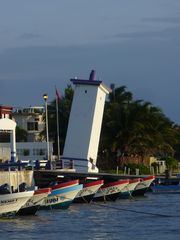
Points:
(88, 192)
(130, 187)
(143, 186)
(12, 202)
(110, 191)
(35, 200)
(61, 198)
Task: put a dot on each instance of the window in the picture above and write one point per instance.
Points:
(39, 152)
(26, 152)
(32, 126)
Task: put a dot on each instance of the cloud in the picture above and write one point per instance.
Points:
(162, 19)
(167, 33)
(29, 36)
(149, 69)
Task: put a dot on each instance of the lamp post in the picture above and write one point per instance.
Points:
(45, 96)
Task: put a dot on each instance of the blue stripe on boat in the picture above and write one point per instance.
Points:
(65, 190)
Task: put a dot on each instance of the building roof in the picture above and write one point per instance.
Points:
(91, 83)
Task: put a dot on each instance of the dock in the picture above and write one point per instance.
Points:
(43, 178)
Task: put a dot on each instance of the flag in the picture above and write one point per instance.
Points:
(58, 96)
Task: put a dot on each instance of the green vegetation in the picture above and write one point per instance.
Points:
(21, 134)
(141, 167)
(135, 130)
(171, 163)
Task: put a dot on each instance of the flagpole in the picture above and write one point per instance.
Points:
(57, 123)
(45, 96)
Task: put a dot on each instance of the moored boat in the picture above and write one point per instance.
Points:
(88, 191)
(162, 188)
(62, 195)
(128, 190)
(143, 186)
(110, 191)
(10, 203)
(166, 185)
(34, 203)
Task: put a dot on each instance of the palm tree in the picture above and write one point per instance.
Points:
(135, 128)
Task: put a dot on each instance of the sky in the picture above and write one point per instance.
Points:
(45, 43)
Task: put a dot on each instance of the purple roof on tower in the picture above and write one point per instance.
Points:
(91, 81)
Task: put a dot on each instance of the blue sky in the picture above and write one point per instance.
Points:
(44, 43)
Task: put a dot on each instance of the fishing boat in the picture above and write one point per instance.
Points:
(34, 203)
(128, 190)
(166, 185)
(10, 203)
(88, 191)
(143, 186)
(62, 195)
(11, 199)
(160, 188)
(110, 191)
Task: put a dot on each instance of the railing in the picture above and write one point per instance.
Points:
(12, 166)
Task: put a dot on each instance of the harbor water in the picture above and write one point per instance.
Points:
(154, 216)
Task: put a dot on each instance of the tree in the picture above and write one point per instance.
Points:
(135, 128)
(171, 164)
(21, 135)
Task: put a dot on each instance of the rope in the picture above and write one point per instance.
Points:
(130, 195)
(130, 210)
(126, 210)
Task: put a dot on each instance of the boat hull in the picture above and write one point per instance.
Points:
(172, 189)
(110, 191)
(111, 197)
(84, 199)
(87, 193)
(128, 190)
(34, 203)
(143, 186)
(12, 202)
(61, 198)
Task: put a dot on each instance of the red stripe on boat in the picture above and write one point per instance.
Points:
(148, 178)
(42, 190)
(134, 180)
(94, 183)
(65, 184)
(115, 183)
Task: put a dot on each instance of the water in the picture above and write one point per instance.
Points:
(123, 219)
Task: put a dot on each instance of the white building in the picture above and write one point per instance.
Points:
(26, 151)
(31, 120)
(9, 126)
(82, 140)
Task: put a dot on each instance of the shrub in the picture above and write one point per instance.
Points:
(142, 168)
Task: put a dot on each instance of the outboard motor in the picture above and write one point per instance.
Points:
(4, 189)
(23, 187)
